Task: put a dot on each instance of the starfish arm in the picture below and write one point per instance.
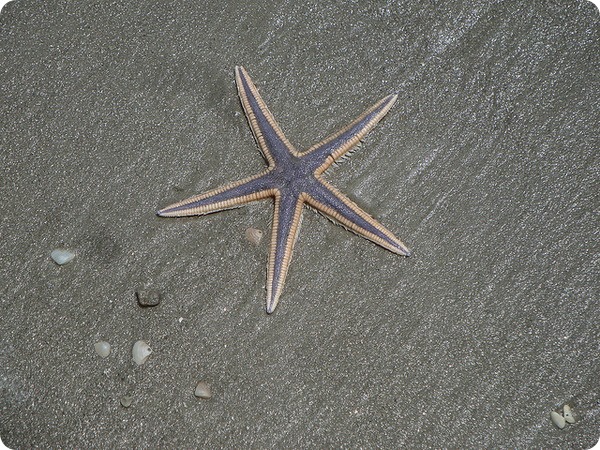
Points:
(328, 200)
(332, 148)
(271, 140)
(286, 224)
(229, 196)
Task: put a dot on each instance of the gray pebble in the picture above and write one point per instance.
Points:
(126, 401)
(147, 297)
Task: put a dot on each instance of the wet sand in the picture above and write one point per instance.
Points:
(486, 167)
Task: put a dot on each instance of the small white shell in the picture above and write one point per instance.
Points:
(61, 256)
(203, 390)
(568, 414)
(126, 401)
(254, 235)
(140, 352)
(558, 420)
(102, 348)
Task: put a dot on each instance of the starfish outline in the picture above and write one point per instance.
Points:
(293, 178)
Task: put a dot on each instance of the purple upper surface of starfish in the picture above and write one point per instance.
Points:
(293, 178)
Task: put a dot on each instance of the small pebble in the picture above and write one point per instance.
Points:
(558, 420)
(147, 297)
(254, 235)
(568, 414)
(102, 348)
(202, 390)
(126, 401)
(140, 352)
(61, 256)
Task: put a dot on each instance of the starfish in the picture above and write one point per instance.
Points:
(294, 179)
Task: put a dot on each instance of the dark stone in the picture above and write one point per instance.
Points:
(147, 297)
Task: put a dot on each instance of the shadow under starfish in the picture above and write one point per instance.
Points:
(293, 178)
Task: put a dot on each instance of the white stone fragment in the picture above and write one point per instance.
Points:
(568, 414)
(140, 352)
(254, 235)
(102, 348)
(61, 256)
(203, 390)
(558, 420)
